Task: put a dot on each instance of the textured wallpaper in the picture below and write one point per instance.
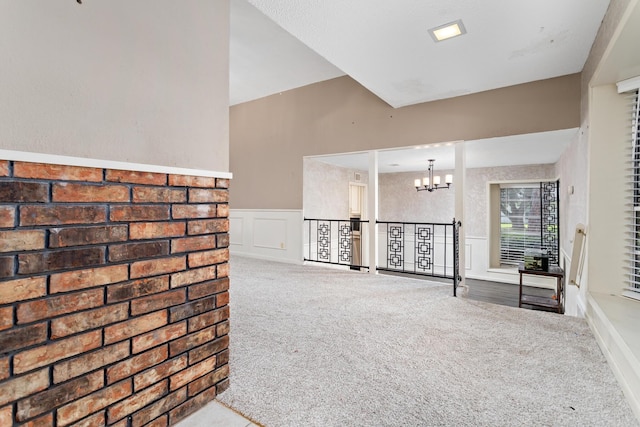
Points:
(476, 209)
(326, 189)
(399, 200)
(326, 193)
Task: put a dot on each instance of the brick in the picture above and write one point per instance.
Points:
(222, 328)
(208, 349)
(138, 363)
(21, 240)
(208, 226)
(191, 341)
(160, 372)
(191, 309)
(7, 266)
(61, 215)
(23, 386)
(133, 327)
(162, 421)
(208, 288)
(18, 338)
(23, 192)
(194, 211)
(4, 168)
(199, 195)
(133, 251)
(56, 172)
(139, 213)
(158, 301)
(222, 182)
(157, 337)
(158, 408)
(87, 278)
(191, 406)
(222, 240)
(136, 402)
(156, 267)
(222, 358)
(7, 216)
(63, 237)
(199, 259)
(6, 318)
(55, 306)
(223, 270)
(86, 193)
(88, 362)
(208, 380)
(193, 276)
(6, 415)
(4, 368)
(222, 299)
(135, 177)
(87, 320)
(93, 403)
(156, 230)
(60, 260)
(222, 386)
(191, 181)
(159, 195)
(21, 289)
(55, 351)
(55, 396)
(137, 288)
(96, 420)
(43, 421)
(209, 318)
(191, 244)
(223, 210)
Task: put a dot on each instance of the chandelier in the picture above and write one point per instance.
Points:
(430, 182)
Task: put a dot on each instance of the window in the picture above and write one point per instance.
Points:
(528, 220)
(633, 291)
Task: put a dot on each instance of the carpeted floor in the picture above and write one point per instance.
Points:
(312, 346)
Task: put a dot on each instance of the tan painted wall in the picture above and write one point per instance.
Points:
(270, 136)
(142, 81)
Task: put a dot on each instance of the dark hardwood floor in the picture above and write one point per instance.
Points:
(493, 292)
(503, 293)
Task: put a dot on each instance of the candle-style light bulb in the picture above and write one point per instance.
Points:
(448, 179)
(436, 180)
(417, 183)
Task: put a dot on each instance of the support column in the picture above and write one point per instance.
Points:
(459, 186)
(372, 210)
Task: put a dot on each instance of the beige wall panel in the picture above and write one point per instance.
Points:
(142, 81)
(270, 136)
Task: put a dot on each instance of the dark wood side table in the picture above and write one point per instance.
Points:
(555, 303)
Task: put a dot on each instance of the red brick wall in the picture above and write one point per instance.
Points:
(113, 295)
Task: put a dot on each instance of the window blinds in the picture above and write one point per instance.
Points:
(633, 290)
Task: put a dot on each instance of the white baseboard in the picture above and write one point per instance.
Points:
(613, 339)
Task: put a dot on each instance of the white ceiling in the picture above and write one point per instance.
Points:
(534, 148)
(385, 45)
(278, 45)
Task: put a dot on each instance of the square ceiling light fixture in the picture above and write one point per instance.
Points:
(447, 31)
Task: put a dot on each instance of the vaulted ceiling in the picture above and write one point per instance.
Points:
(277, 45)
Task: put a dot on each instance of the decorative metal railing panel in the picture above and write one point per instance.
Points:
(426, 249)
(336, 241)
(550, 219)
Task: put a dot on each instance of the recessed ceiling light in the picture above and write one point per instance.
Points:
(447, 31)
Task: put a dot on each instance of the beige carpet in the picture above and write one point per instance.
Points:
(312, 346)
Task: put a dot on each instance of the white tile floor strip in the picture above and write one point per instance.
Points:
(215, 414)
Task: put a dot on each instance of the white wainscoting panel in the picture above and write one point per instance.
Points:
(267, 234)
(270, 233)
(478, 251)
